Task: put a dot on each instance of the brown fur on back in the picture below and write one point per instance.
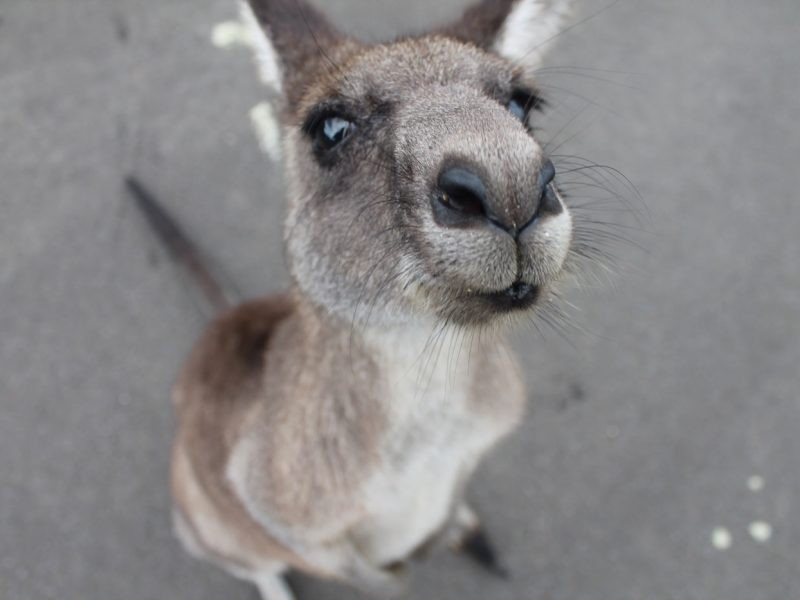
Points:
(274, 372)
(217, 390)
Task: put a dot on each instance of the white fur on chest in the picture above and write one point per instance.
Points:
(433, 443)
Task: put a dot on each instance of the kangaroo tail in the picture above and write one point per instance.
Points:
(180, 247)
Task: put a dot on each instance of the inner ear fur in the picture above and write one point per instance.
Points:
(295, 39)
(515, 29)
(481, 23)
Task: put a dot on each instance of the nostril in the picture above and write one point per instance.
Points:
(549, 204)
(547, 173)
(462, 201)
(462, 191)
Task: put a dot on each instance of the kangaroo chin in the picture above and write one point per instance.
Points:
(333, 429)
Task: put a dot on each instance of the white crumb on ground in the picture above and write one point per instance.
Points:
(760, 531)
(267, 129)
(721, 538)
(755, 483)
(230, 33)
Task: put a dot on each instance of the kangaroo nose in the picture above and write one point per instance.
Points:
(462, 192)
(463, 199)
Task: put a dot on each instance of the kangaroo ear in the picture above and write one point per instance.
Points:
(515, 29)
(290, 39)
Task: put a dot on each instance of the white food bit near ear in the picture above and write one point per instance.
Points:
(529, 25)
(755, 483)
(230, 33)
(760, 531)
(721, 538)
(267, 129)
(248, 32)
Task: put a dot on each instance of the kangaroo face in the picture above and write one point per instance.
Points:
(417, 185)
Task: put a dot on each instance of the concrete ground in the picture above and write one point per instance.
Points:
(647, 433)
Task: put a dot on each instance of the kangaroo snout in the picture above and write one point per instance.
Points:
(462, 199)
(495, 232)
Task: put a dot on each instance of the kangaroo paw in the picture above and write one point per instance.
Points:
(472, 541)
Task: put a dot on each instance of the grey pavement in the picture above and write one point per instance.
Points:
(678, 385)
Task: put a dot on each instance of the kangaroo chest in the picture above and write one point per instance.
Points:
(433, 443)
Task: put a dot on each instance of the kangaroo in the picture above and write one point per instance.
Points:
(332, 429)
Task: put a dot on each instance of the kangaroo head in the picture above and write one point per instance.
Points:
(417, 186)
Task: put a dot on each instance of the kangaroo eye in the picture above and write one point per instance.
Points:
(517, 108)
(328, 127)
(522, 103)
(333, 131)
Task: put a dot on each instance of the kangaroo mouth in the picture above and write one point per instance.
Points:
(517, 296)
(478, 307)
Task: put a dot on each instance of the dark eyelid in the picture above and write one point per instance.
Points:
(530, 99)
